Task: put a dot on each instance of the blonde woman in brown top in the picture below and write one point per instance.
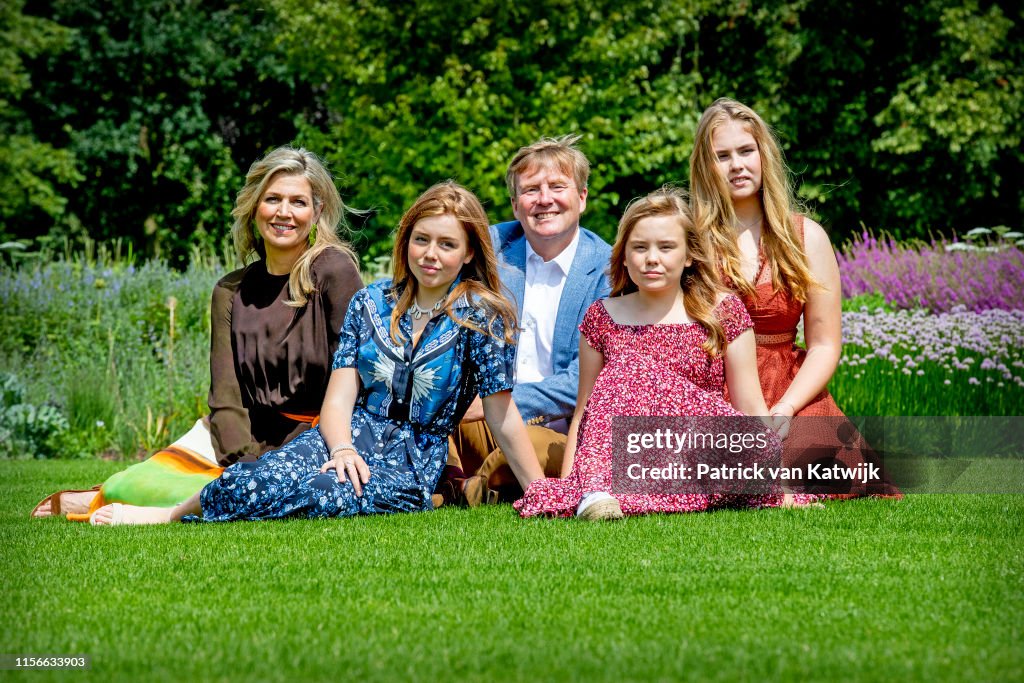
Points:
(274, 328)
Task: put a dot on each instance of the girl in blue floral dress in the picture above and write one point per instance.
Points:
(414, 352)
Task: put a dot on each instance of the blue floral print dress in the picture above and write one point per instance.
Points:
(410, 400)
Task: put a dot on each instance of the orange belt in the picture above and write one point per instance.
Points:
(768, 339)
(312, 418)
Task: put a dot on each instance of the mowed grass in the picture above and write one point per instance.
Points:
(930, 588)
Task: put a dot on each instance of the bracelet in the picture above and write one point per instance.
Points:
(341, 448)
(782, 403)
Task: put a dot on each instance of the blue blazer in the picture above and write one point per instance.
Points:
(555, 396)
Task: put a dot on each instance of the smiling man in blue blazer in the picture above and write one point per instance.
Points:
(554, 269)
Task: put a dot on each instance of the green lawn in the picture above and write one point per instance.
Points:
(930, 588)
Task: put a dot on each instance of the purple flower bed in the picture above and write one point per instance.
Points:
(918, 363)
(987, 345)
(932, 277)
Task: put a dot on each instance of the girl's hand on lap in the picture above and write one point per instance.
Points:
(349, 465)
(777, 424)
(780, 424)
(782, 417)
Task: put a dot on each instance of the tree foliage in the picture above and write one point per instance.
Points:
(902, 117)
(956, 119)
(433, 91)
(163, 104)
(30, 169)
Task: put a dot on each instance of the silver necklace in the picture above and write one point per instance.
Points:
(418, 311)
(748, 226)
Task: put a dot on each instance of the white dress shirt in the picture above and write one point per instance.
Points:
(545, 281)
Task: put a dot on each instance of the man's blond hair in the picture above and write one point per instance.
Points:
(560, 153)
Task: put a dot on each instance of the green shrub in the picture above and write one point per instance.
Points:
(121, 350)
(27, 430)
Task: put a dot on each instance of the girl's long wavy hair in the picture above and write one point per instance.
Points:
(479, 278)
(714, 214)
(291, 161)
(700, 281)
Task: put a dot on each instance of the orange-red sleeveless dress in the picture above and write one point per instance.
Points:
(775, 316)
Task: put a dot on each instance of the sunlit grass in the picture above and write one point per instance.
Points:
(862, 590)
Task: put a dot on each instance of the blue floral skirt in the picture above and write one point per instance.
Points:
(288, 483)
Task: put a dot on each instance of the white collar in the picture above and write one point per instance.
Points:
(563, 260)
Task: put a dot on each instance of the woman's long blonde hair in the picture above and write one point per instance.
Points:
(715, 216)
(700, 282)
(300, 162)
(478, 279)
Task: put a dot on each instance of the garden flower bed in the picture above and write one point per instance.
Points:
(101, 355)
(938, 277)
(918, 363)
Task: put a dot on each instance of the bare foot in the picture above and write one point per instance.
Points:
(117, 514)
(71, 502)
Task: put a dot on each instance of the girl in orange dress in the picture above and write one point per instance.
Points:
(782, 266)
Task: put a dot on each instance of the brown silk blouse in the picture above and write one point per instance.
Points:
(267, 358)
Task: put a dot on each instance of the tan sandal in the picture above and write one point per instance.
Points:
(54, 500)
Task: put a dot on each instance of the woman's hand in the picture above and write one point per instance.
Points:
(349, 465)
(336, 428)
(781, 416)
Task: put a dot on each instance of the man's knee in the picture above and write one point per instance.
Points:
(470, 445)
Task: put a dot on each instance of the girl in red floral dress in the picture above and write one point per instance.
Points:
(662, 345)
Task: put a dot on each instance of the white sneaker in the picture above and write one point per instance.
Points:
(599, 506)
